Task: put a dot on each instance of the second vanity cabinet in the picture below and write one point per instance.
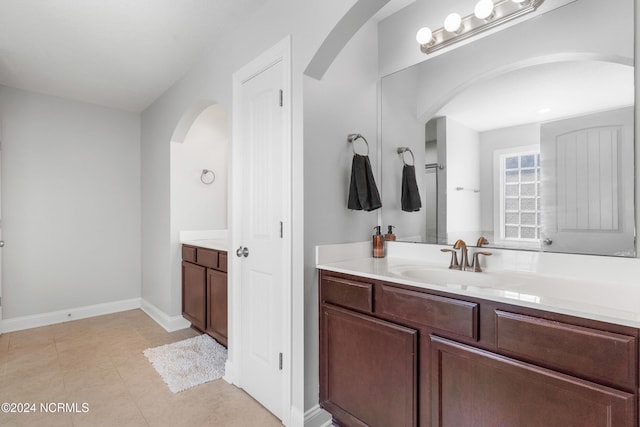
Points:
(204, 290)
(395, 355)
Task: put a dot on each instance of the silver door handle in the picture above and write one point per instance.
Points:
(1, 243)
(547, 241)
(242, 251)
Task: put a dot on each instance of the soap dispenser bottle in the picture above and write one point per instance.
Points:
(390, 236)
(378, 243)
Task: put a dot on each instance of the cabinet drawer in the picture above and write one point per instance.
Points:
(208, 257)
(222, 261)
(446, 314)
(601, 356)
(188, 253)
(347, 293)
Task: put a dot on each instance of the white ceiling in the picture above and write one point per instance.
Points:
(567, 89)
(116, 53)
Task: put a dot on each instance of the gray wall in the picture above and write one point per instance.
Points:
(343, 102)
(70, 204)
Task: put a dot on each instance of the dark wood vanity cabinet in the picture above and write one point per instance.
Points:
(217, 305)
(194, 282)
(204, 290)
(395, 355)
(369, 370)
(474, 387)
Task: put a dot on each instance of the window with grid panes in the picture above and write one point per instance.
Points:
(521, 196)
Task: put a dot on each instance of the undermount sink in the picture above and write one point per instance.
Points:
(437, 275)
(519, 286)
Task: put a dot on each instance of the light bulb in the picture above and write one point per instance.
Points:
(484, 9)
(424, 35)
(452, 22)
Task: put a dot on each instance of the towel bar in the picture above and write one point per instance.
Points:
(475, 190)
(352, 137)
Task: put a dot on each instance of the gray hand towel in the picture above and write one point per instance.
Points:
(410, 198)
(363, 192)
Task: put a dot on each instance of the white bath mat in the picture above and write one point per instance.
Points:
(187, 363)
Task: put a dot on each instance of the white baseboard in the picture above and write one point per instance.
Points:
(317, 417)
(51, 318)
(169, 323)
(229, 372)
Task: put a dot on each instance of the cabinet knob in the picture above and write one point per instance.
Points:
(1, 243)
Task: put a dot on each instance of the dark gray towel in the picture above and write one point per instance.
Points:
(363, 192)
(410, 199)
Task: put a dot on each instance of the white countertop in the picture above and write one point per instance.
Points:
(217, 244)
(613, 302)
(210, 239)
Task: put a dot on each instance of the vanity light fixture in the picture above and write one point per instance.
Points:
(487, 14)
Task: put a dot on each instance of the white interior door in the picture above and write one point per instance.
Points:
(263, 284)
(587, 184)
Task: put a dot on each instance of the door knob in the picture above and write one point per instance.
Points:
(547, 241)
(242, 252)
(1, 243)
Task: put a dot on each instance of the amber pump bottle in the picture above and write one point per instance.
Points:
(378, 243)
(390, 236)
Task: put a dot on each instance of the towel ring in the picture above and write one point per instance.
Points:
(402, 150)
(208, 176)
(352, 137)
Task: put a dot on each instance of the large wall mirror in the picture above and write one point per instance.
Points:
(525, 136)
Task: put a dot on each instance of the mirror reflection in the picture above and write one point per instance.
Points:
(536, 153)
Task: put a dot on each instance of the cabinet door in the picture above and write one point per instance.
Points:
(367, 369)
(217, 305)
(473, 387)
(194, 280)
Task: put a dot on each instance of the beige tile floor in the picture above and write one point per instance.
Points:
(99, 362)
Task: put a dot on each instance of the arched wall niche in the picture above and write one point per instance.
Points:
(188, 118)
(200, 141)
